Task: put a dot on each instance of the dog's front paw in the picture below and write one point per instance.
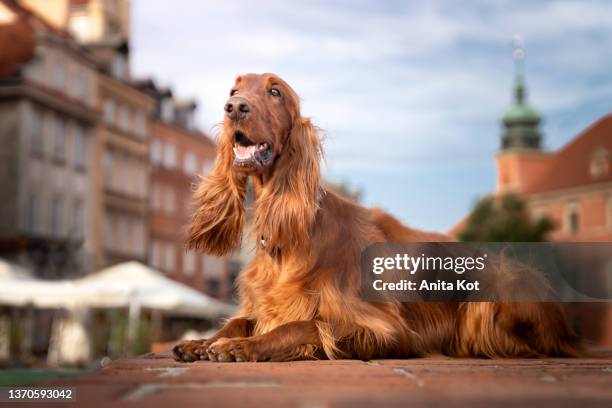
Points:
(191, 350)
(237, 349)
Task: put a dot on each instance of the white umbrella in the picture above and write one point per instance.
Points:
(124, 285)
(138, 284)
(57, 294)
(11, 272)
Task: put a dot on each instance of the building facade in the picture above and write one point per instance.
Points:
(48, 112)
(123, 177)
(571, 186)
(179, 155)
(132, 150)
(121, 182)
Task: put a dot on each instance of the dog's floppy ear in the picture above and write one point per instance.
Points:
(218, 219)
(286, 208)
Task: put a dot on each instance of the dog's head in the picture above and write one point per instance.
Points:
(260, 115)
(265, 137)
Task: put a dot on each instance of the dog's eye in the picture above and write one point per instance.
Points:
(233, 92)
(274, 92)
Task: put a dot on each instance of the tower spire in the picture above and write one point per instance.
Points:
(519, 57)
(520, 121)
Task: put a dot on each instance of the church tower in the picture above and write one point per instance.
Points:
(520, 157)
(520, 121)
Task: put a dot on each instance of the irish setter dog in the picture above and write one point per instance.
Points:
(300, 295)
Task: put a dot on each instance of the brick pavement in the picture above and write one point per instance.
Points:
(155, 380)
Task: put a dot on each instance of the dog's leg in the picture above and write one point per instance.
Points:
(291, 341)
(193, 350)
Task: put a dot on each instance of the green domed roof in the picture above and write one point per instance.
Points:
(520, 122)
(520, 112)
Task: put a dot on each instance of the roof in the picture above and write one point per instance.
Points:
(17, 45)
(456, 229)
(570, 166)
(520, 112)
(37, 20)
(17, 40)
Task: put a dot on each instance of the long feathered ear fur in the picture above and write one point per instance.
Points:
(216, 226)
(287, 204)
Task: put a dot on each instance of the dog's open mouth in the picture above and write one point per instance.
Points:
(250, 154)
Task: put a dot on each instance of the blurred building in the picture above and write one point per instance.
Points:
(122, 184)
(572, 186)
(179, 154)
(48, 119)
(103, 166)
(123, 148)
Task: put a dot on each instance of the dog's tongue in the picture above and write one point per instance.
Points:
(244, 152)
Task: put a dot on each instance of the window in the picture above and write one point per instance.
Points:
(108, 167)
(119, 66)
(31, 213)
(59, 139)
(78, 218)
(156, 152)
(167, 110)
(213, 266)
(109, 111)
(56, 216)
(156, 197)
(190, 163)
(170, 261)
(156, 254)
(108, 231)
(124, 118)
(80, 84)
(599, 164)
(36, 136)
(214, 287)
(170, 156)
(140, 124)
(169, 201)
(572, 219)
(59, 75)
(189, 121)
(142, 177)
(125, 173)
(189, 263)
(80, 147)
(138, 237)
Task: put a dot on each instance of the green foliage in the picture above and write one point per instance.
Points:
(29, 376)
(504, 219)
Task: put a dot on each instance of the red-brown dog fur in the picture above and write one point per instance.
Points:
(300, 295)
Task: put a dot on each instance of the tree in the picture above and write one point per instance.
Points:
(504, 219)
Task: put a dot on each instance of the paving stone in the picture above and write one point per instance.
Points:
(155, 380)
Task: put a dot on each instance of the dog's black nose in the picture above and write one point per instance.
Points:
(237, 108)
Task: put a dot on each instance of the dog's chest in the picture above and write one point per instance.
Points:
(280, 299)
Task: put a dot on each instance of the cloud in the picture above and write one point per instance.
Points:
(391, 83)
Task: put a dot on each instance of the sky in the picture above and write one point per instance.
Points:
(409, 94)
